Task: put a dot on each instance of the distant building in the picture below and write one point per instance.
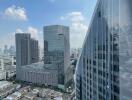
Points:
(75, 53)
(7, 67)
(41, 54)
(27, 51)
(57, 49)
(12, 51)
(6, 50)
(1, 51)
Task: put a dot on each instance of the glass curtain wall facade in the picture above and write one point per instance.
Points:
(57, 49)
(104, 69)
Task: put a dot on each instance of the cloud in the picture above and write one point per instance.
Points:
(76, 16)
(78, 28)
(11, 36)
(19, 31)
(15, 13)
(33, 31)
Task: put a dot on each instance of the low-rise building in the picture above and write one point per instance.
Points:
(7, 67)
(7, 88)
(2, 75)
(24, 90)
(29, 96)
(14, 96)
(37, 74)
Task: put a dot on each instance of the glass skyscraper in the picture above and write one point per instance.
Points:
(57, 49)
(104, 69)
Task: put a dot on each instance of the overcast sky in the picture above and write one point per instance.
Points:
(31, 15)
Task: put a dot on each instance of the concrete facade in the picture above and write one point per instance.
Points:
(27, 51)
(35, 73)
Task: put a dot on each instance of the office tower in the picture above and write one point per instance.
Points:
(6, 50)
(104, 68)
(26, 51)
(57, 49)
(12, 51)
(34, 51)
(1, 51)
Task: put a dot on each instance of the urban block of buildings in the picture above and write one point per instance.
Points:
(53, 70)
(10, 91)
(7, 67)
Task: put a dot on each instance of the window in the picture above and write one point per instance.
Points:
(99, 14)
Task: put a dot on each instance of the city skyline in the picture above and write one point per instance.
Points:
(19, 17)
(71, 49)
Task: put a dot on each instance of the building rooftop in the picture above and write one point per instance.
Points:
(4, 84)
(40, 66)
(14, 96)
(29, 96)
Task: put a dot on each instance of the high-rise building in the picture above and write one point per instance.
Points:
(1, 52)
(104, 69)
(57, 49)
(34, 51)
(23, 55)
(12, 51)
(26, 51)
(6, 50)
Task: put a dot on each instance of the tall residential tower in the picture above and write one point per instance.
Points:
(26, 51)
(34, 50)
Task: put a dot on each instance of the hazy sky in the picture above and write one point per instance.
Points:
(31, 15)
